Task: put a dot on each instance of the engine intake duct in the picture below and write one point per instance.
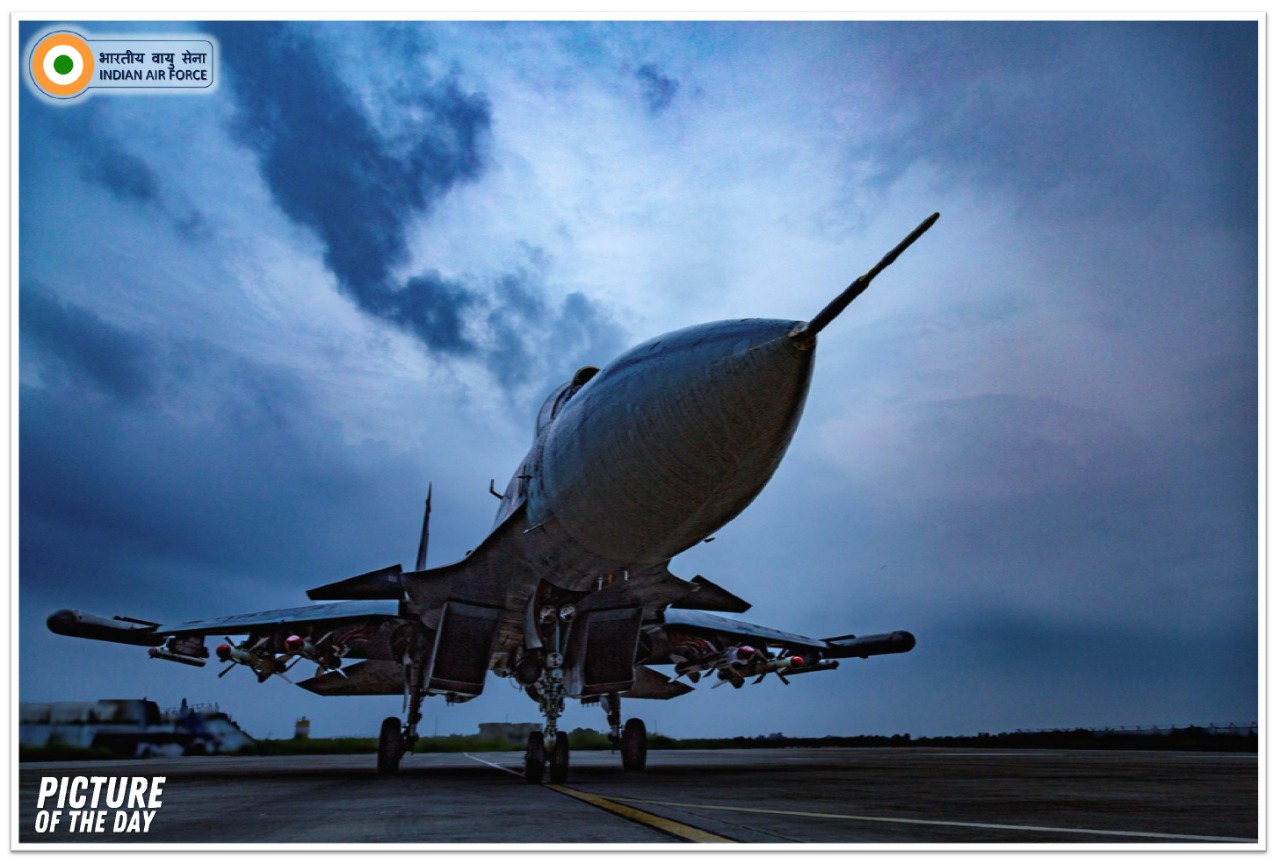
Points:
(130, 631)
(897, 642)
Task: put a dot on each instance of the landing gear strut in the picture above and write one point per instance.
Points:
(394, 739)
(612, 705)
(549, 694)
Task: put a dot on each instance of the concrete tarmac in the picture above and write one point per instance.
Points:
(826, 796)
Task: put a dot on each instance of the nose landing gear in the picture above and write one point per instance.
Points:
(548, 692)
(547, 752)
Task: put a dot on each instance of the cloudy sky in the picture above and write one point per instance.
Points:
(255, 322)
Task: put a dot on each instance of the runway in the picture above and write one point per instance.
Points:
(827, 796)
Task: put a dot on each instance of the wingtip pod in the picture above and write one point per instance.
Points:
(83, 625)
(805, 335)
(897, 642)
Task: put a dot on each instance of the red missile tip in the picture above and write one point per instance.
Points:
(151, 652)
(797, 661)
(223, 651)
(746, 652)
(293, 643)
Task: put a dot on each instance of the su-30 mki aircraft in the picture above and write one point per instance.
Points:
(570, 594)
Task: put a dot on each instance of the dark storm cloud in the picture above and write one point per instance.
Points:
(577, 334)
(1054, 109)
(359, 189)
(658, 89)
(77, 346)
(332, 171)
(434, 308)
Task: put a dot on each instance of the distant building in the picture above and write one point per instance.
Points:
(131, 727)
(515, 732)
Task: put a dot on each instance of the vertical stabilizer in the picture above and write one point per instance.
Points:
(421, 563)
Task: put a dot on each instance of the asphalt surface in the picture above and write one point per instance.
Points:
(854, 796)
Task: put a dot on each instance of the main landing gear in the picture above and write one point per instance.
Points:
(632, 738)
(395, 739)
(391, 746)
(635, 745)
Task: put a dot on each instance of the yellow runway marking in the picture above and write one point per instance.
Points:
(994, 826)
(669, 826)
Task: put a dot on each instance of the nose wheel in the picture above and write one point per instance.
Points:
(560, 758)
(535, 758)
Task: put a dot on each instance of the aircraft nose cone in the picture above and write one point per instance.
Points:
(675, 438)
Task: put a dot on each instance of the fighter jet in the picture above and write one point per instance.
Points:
(570, 593)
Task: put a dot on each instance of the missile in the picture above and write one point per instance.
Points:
(324, 656)
(162, 654)
(264, 665)
(231, 653)
(129, 631)
(819, 666)
(782, 664)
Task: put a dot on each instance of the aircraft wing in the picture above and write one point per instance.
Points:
(696, 620)
(134, 631)
(317, 614)
(700, 643)
(327, 634)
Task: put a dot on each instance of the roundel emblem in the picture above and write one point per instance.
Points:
(62, 64)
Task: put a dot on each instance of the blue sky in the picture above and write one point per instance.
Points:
(255, 322)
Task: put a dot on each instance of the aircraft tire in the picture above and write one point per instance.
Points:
(535, 758)
(635, 745)
(390, 746)
(560, 758)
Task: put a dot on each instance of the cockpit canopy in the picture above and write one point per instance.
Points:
(561, 396)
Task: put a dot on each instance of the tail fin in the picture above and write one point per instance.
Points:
(421, 563)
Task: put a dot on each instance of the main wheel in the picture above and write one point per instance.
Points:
(635, 745)
(390, 746)
(560, 758)
(535, 758)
